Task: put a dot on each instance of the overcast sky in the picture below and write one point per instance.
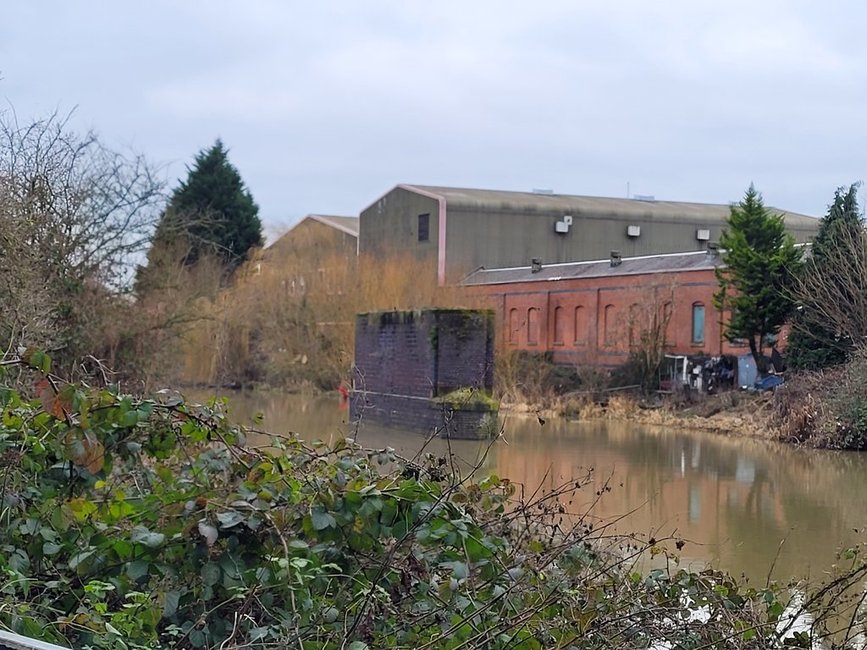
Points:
(327, 105)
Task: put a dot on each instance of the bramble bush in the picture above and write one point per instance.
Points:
(132, 523)
(825, 408)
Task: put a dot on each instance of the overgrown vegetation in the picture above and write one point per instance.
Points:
(77, 216)
(529, 378)
(74, 215)
(825, 408)
(289, 317)
(470, 399)
(649, 335)
(148, 523)
(825, 404)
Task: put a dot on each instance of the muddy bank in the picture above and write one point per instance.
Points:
(733, 414)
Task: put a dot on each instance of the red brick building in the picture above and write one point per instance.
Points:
(590, 313)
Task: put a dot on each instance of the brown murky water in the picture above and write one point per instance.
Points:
(744, 505)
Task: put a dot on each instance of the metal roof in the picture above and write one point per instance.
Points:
(670, 262)
(613, 208)
(349, 225)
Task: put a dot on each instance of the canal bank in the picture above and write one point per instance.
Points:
(742, 504)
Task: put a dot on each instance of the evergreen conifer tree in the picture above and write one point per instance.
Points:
(760, 258)
(213, 210)
(814, 343)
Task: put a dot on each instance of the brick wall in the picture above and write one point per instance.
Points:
(403, 359)
(424, 353)
(395, 353)
(418, 414)
(588, 321)
(465, 350)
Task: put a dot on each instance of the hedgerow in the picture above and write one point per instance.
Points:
(132, 522)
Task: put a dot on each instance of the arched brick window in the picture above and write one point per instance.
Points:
(697, 322)
(634, 324)
(608, 325)
(667, 318)
(559, 325)
(532, 326)
(580, 326)
(514, 326)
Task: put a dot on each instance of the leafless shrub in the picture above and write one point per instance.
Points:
(523, 379)
(648, 334)
(75, 217)
(831, 294)
(826, 409)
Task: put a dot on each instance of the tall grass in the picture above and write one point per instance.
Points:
(289, 320)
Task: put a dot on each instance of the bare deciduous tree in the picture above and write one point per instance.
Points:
(833, 294)
(648, 333)
(75, 217)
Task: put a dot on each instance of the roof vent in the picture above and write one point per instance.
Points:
(702, 234)
(542, 190)
(712, 249)
(616, 259)
(643, 197)
(633, 230)
(535, 265)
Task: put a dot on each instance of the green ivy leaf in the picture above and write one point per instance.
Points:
(459, 569)
(259, 633)
(137, 569)
(18, 561)
(129, 419)
(170, 604)
(230, 518)
(197, 638)
(80, 557)
(211, 574)
(38, 360)
(321, 519)
(50, 548)
(141, 535)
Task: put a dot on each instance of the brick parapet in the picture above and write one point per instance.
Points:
(405, 359)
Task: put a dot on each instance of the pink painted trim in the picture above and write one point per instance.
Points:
(441, 217)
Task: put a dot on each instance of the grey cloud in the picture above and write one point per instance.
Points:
(327, 105)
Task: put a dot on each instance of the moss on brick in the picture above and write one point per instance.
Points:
(469, 399)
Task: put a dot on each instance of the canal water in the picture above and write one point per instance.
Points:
(742, 505)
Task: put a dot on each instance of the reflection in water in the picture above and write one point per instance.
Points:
(736, 500)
